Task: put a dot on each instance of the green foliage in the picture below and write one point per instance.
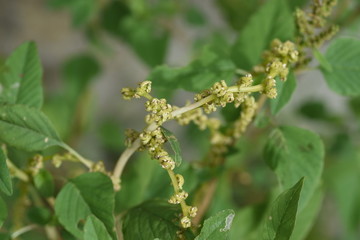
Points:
(342, 74)
(217, 226)
(81, 11)
(306, 217)
(90, 193)
(44, 182)
(39, 215)
(5, 180)
(285, 90)
(95, 229)
(294, 153)
(272, 20)
(21, 77)
(212, 64)
(145, 222)
(168, 192)
(26, 128)
(280, 221)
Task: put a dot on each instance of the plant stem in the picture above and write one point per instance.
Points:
(81, 159)
(17, 172)
(174, 182)
(23, 230)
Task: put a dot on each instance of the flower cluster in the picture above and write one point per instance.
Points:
(312, 25)
(246, 115)
(277, 62)
(153, 141)
(36, 164)
(160, 111)
(142, 90)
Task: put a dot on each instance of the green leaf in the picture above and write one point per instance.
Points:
(342, 172)
(230, 10)
(175, 146)
(272, 20)
(78, 72)
(151, 220)
(81, 11)
(285, 91)
(212, 65)
(5, 179)
(306, 218)
(195, 16)
(217, 227)
(44, 182)
(143, 33)
(20, 82)
(90, 193)
(294, 153)
(39, 215)
(26, 128)
(280, 221)
(343, 55)
(322, 60)
(95, 230)
(3, 211)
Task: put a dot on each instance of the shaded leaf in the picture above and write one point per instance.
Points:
(5, 179)
(175, 146)
(39, 215)
(322, 60)
(280, 221)
(81, 11)
(26, 128)
(151, 220)
(285, 91)
(95, 230)
(272, 20)
(90, 193)
(230, 9)
(217, 227)
(44, 182)
(212, 65)
(20, 82)
(294, 153)
(343, 55)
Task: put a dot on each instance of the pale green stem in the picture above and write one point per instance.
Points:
(81, 159)
(23, 230)
(17, 172)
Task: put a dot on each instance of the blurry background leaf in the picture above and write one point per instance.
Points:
(272, 20)
(44, 183)
(213, 64)
(82, 11)
(343, 55)
(39, 215)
